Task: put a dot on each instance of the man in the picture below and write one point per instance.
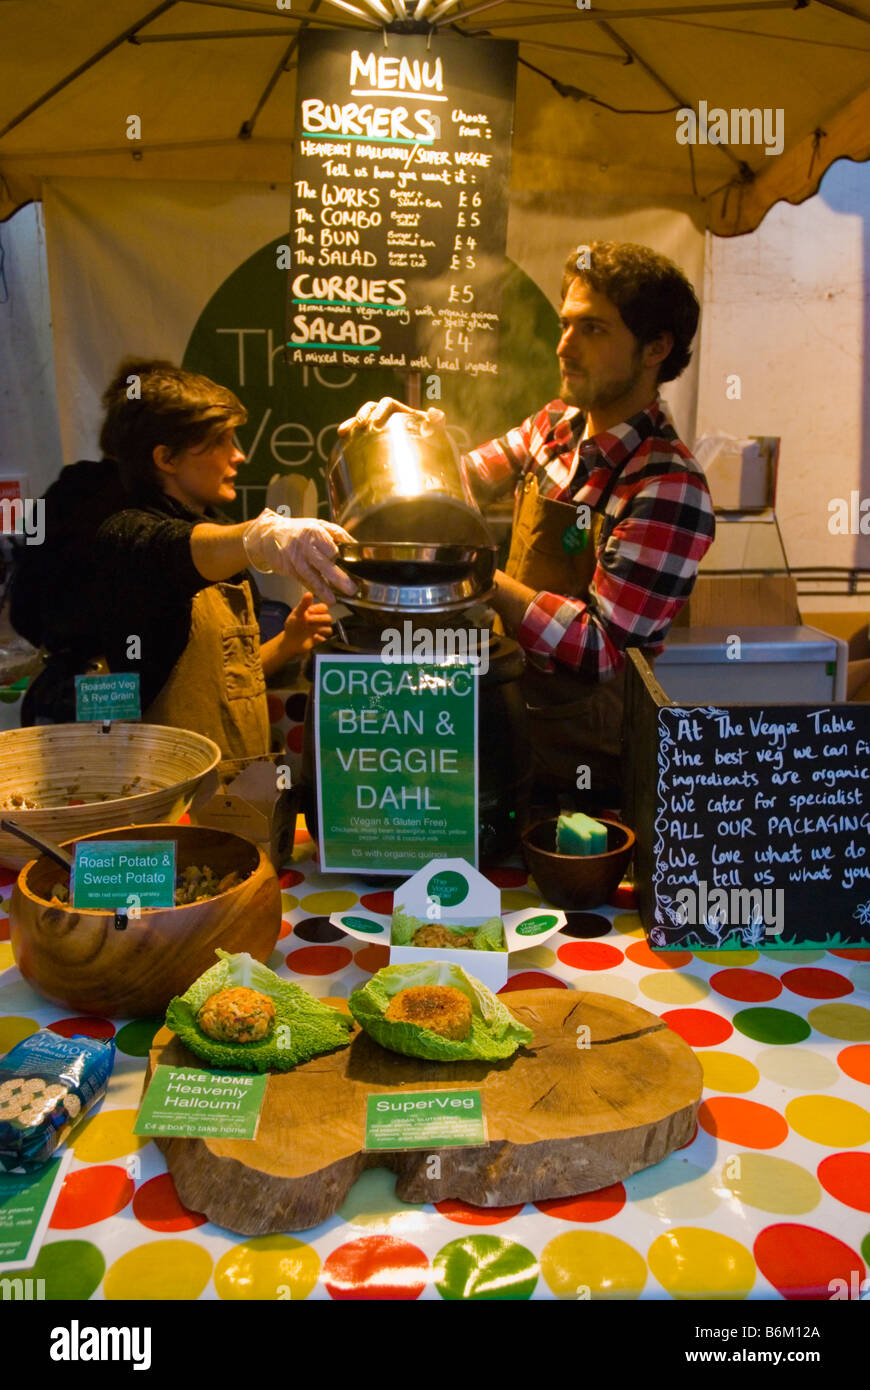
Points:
(612, 515)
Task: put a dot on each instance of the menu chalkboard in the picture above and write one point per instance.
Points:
(762, 826)
(401, 166)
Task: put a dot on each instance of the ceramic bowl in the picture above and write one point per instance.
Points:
(576, 881)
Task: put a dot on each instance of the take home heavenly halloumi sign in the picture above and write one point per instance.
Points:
(195, 1104)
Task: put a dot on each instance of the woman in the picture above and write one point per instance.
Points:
(178, 607)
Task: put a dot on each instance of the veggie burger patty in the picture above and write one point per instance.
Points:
(440, 1008)
(432, 934)
(237, 1015)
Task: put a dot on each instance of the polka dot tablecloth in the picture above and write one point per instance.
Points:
(769, 1200)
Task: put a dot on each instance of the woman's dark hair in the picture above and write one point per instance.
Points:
(151, 402)
(651, 293)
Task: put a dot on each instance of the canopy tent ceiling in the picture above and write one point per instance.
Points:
(213, 81)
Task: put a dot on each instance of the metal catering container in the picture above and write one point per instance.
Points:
(404, 577)
(785, 665)
(403, 481)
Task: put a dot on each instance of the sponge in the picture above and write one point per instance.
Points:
(579, 834)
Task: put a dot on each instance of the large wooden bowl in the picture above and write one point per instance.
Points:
(80, 960)
(56, 763)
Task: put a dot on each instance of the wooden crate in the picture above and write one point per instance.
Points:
(747, 600)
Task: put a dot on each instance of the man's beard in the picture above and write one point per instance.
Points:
(591, 393)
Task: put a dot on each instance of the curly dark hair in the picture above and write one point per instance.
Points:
(150, 402)
(652, 294)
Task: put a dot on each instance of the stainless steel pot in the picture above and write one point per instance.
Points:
(403, 482)
(404, 577)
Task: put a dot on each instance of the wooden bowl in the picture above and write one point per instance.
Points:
(576, 881)
(54, 763)
(80, 960)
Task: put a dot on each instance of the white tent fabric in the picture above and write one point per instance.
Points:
(599, 92)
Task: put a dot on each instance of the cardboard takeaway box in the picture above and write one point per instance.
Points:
(749, 600)
(452, 893)
(242, 796)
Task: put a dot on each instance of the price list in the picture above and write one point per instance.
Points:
(399, 213)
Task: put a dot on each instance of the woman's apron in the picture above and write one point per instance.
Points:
(217, 686)
(573, 721)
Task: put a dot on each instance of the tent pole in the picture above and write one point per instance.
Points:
(237, 5)
(651, 72)
(216, 34)
(594, 16)
(303, 18)
(89, 63)
(845, 9)
(247, 127)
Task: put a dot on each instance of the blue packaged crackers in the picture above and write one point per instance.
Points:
(47, 1085)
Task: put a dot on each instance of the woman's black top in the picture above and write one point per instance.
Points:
(150, 582)
(56, 588)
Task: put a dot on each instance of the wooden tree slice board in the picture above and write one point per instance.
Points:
(561, 1119)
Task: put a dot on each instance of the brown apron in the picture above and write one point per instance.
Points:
(217, 686)
(573, 720)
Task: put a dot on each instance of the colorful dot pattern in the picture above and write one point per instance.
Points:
(768, 1200)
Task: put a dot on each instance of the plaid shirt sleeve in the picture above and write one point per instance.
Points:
(642, 578)
(494, 468)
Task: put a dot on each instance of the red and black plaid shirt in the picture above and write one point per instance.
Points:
(658, 524)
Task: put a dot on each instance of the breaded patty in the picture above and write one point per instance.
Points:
(433, 934)
(237, 1015)
(440, 1008)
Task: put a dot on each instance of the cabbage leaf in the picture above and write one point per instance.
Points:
(304, 1027)
(495, 1033)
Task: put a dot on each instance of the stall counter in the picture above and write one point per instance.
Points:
(768, 1200)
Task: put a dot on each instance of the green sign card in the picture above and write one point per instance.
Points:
(125, 874)
(192, 1104)
(396, 748)
(425, 1120)
(108, 697)
(26, 1203)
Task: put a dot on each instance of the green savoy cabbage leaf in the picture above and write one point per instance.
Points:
(303, 1028)
(495, 1033)
(487, 937)
(403, 926)
(490, 936)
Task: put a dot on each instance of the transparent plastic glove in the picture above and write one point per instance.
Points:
(301, 548)
(376, 413)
